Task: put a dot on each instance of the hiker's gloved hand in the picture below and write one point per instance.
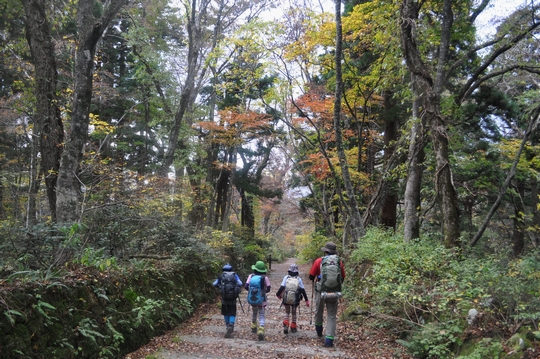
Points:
(307, 303)
(278, 296)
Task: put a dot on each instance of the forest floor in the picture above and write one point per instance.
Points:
(202, 336)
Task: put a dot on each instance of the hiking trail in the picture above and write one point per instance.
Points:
(202, 336)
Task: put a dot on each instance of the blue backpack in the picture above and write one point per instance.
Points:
(256, 290)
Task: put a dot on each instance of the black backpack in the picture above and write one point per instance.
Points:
(229, 287)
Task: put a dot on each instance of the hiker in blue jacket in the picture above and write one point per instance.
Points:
(257, 286)
(291, 292)
(229, 284)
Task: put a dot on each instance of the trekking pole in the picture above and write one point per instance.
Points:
(241, 306)
(311, 306)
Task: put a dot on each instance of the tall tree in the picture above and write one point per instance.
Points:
(47, 119)
(413, 187)
(92, 21)
(443, 70)
(377, 103)
(356, 226)
(206, 24)
(428, 88)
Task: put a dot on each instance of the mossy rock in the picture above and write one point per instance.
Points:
(468, 347)
(356, 312)
(519, 343)
(486, 348)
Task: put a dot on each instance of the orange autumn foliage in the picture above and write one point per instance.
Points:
(237, 128)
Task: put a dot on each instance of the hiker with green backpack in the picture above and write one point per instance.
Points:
(230, 285)
(291, 292)
(257, 285)
(329, 273)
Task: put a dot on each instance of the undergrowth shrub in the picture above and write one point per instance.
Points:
(486, 348)
(431, 290)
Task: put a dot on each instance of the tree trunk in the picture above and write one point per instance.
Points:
(233, 157)
(222, 195)
(2, 211)
(48, 120)
(411, 220)
(144, 148)
(31, 206)
(446, 193)
(226, 212)
(90, 31)
(187, 95)
(428, 89)
(534, 233)
(356, 227)
(389, 207)
(371, 215)
(196, 215)
(247, 217)
(518, 235)
(214, 176)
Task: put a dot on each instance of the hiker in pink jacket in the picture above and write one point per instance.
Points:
(257, 286)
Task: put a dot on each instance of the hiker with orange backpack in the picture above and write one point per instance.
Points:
(291, 292)
(257, 285)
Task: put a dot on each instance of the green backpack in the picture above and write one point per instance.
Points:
(330, 274)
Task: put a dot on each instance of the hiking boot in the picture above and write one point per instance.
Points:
(260, 333)
(230, 329)
(286, 330)
(293, 327)
(253, 327)
(319, 328)
(329, 343)
(285, 326)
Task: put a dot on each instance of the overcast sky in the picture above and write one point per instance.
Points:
(486, 22)
(499, 9)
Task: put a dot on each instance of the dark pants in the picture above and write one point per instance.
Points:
(228, 308)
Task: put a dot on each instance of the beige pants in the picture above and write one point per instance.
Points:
(331, 314)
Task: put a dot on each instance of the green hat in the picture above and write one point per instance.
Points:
(259, 267)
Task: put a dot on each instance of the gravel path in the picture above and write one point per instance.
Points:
(202, 336)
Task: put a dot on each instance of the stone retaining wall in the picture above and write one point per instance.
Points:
(99, 314)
